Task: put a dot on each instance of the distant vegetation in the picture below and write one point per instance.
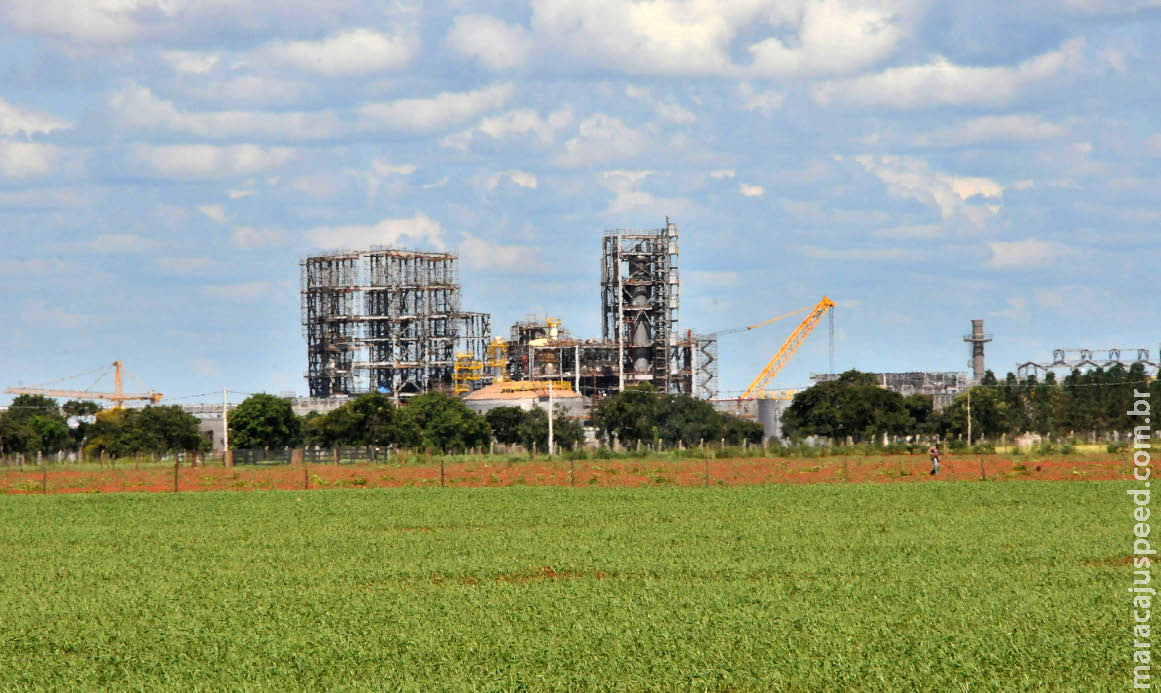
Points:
(854, 407)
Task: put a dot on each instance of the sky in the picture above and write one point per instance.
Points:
(165, 164)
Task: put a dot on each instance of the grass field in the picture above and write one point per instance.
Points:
(947, 586)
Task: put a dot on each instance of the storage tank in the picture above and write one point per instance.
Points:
(770, 416)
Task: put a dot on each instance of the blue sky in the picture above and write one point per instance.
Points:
(164, 164)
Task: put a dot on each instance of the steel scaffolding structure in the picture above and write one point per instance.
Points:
(639, 307)
(386, 320)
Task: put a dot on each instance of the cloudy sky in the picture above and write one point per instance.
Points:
(164, 164)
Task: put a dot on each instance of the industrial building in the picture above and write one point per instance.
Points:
(386, 320)
(640, 342)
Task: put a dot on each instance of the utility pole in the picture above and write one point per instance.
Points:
(969, 416)
(550, 441)
(225, 422)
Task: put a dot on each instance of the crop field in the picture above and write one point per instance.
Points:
(805, 587)
(520, 471)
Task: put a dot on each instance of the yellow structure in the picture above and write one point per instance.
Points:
(788, 349)
(466, 372)
(118, 396)
(496, 355)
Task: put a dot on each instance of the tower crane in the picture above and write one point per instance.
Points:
(788, 349)
(118, 396)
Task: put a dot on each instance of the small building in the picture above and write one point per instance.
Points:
(526, 394)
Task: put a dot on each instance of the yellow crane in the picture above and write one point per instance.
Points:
(118, 396)
(788, 349)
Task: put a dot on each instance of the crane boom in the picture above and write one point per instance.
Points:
(747, 328)
(118, 395)
(789, 348)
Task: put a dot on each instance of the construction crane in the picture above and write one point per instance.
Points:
(118, 396)
(747, 328)
(788, 349)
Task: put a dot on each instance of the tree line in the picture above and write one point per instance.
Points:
(1083, 403)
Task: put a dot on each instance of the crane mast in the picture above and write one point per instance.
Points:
(788, 349)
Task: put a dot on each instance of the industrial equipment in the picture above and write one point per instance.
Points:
(118, 396)
(788, 349)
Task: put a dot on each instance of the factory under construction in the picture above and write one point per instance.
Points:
(392, 321)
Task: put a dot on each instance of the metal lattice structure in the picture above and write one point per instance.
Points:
(385, 320)
(1083, 359)
(639, 307)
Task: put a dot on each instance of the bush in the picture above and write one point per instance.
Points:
(1119, 446)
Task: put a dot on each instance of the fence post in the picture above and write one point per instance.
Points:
(707, 471)
(176, 463)
(572, 471)
(983, 470)
(335, 455)
(305, 477)
(228, 458)
(44, 479)
(442, 480)
(846, 470)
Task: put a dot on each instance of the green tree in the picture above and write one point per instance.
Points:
(33, 423)
(369, 419)
(850, 406)
(264, 420)
(505, 423)
(566, 432)
(125, 432)
(438, 421)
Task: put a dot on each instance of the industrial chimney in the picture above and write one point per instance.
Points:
(977, 339)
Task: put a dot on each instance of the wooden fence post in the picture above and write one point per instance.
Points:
(983, 470)
(572, 471)
(44, 479)
(442, 479)
(305, 477)
(707, 471)
(176, 463)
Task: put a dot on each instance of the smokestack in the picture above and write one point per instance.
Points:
(977, 339)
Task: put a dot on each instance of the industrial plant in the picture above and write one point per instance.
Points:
(392, 321)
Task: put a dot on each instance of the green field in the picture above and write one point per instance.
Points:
(950, 586)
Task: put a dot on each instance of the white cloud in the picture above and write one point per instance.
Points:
(27, 159)
(517, 122)
(674, 113)
(239, 193)
(385, 168)
(250, 237)
(751, 190)
(345, 53)
(42, 314)
(120, 243)
(480, 254)
(137, 107)
(203, 161)
(438, 112)
(925, 231)
(215, 212)
(911, 178)
(601, 138)
(764, 102)
(1027, 254)
(662, 37)
(941, 82)
(97, 21)
(722, 174)
(191, 62)
(521, 178)
(419, 229)
(495, 44)
(832, 37)
(1014, 127)
(17, 121)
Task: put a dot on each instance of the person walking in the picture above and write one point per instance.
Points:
(934, 452)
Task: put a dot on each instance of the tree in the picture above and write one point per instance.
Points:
(79, 411)
(366, 420)
(566, 432)
(125, 432)
(641, 413)
(262, 421)
(850, 406)
(505, 423)
(31, 424)
(438, 421)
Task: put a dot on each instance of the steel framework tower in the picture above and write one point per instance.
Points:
(385, 320)
(639, 307)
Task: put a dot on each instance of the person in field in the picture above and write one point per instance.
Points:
(934, 452)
